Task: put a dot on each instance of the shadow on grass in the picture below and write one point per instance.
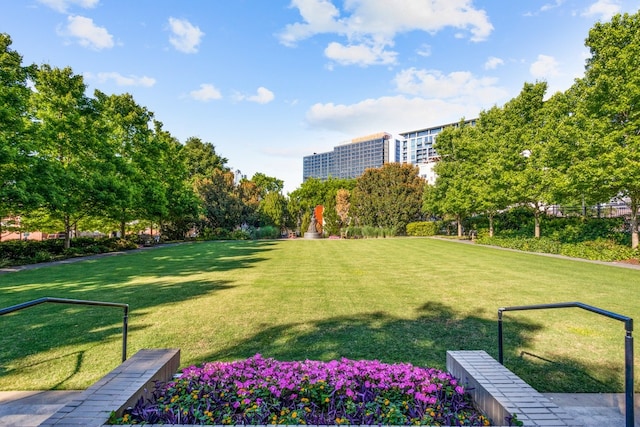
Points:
(422, 340)
(51, 326)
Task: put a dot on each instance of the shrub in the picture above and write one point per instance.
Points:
(259, 391)
(266, 232)
(597, 250)
(423, 228)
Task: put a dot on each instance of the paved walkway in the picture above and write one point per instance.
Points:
(30, 408)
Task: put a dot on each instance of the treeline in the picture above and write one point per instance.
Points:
(71, 162)
(578, 147)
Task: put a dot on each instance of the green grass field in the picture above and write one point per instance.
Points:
(396, 300)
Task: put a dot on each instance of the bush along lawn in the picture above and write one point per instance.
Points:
(259, 391)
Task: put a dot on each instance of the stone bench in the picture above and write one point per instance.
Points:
(119, 389)
(499, 393)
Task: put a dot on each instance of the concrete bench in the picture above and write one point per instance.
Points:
(119, 389)
(499, 393)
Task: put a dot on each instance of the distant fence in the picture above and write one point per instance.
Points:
(604, 210)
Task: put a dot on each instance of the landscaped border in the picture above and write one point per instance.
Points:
(497, 392)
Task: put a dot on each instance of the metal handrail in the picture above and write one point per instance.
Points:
(125, 318)
(628, 344)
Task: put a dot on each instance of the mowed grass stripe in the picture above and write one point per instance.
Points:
(396, 300)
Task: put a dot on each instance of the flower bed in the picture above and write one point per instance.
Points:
(261, 391)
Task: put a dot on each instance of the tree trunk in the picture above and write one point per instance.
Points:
(536, 216)
(634, 221)
(67, 232)
(122, 227)
(490, 225)
(459, 220)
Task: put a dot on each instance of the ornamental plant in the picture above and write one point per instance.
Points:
(259, 391)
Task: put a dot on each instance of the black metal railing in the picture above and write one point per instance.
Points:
(628, 344)
(125, 319)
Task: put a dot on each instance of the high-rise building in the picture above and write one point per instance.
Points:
(349, 160)
(417, 148)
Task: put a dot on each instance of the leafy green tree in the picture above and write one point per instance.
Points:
(273, 209)
(531, 183)
(455, 191)
(388, 197)
(250, 199)
(68, 143)
(267, 184)
(202, 159)
(18, 172)
(169, 196)
(125, 129)
(611, 91)
(222, 207)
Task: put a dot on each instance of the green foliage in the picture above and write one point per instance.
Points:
(19, 252)
(422, 228)
(202, 159)
(389, 197)
(369, 232)
(597, 250)
(267, 232)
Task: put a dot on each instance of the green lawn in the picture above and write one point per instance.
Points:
(405, 299)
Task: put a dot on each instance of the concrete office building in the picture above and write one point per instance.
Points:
(349, 160)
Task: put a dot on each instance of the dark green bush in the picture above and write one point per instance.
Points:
(18, 252)
(596, 250)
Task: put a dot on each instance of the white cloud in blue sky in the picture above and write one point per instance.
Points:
(207, 92)
(120, 80)
(185, 36)
(86, 33)
(268, 82)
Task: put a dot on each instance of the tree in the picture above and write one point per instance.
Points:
(267, 184)
(68, 144)
(202, 159)
(273, 209)
(222, 208)
(388, 197)
(456, 190)
(168, 194)
(531, 182)
(611, 90)
(343, 204)
(125, 130)
(18, 173)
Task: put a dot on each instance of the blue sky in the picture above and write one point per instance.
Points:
(270, 81)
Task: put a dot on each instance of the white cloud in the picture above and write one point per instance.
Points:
(63, 5)
(545, 67)
(370, 26)
(492, 63)
(87, 33)
(121, 80)
(359, 54)
(262, 96)
(207, 92)
(397, 113)
(186, 37)
(605, 9)
(457, 86)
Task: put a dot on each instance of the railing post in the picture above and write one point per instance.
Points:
(628, 375)
(125, 328)
(628, 345)
(500, 349)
